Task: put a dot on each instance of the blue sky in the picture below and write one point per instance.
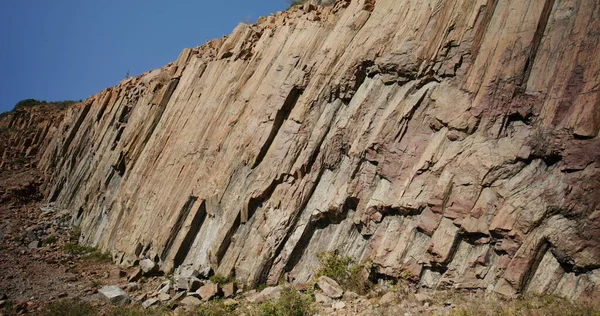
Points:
(70, 49)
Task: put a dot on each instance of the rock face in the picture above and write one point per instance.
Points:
(454, 142)
(25, 133)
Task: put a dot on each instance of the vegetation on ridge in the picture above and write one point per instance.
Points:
(33, 102)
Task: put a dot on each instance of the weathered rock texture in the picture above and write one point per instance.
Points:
(25, 133)
(453, 142)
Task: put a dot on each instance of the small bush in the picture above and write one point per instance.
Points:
(88, 253)
(290, 303)
(50, 240)
(69, 308)
(215, 308)
(74, 234)
(526, 305)
(341, 269)
(134, 310)
(221, 279)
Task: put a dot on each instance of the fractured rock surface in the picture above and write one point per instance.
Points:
(453, 142)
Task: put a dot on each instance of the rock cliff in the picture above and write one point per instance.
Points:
(451, 142)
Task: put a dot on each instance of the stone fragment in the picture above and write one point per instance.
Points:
(205, 273)
(269, 293)
(339, 305)
(186, 272)
(322, 298)
(388, 298)
(163, 297)
(34, 244)
(330, 287)
(209, 291)
(177, 297)
(114, 295)
(301, 286)
(422, 297)
(193, 284)
(148, 266)
(229, 289)
(150, 302)
(350, 296)
(230, 302)
(190, 301)
(163, 288)
(135, 275)
(117, 273)
(132, 287)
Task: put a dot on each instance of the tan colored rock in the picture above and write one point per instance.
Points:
(329, 287)
(209, 291)
(229, 289)
(406, 141)
(190, 301)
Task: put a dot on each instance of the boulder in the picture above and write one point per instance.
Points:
(132, 287)
(388, 298)
(330, 287)
(190, 301)
(230, 302)
(163, 288)
(205, 273)
(209, 291)
(193, 284)
(148, 266)
(117, 273)
(150, 302)
(186, 271)
(268, 294)
(163, 297)
(322, 298)
(34, 244)
(422, 297)
(229, 289)
(350, 296)
(339, 305)
(177, 297)
(135, 275)
(114, 295)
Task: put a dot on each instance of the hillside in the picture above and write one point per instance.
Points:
(453, 144)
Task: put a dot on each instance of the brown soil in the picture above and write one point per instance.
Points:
(33, 276)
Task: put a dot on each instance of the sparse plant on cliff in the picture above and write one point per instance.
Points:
(221, 279)
(344, 271)
(290, 303)
(87, 253)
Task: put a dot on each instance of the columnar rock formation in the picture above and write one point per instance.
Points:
(452, 142)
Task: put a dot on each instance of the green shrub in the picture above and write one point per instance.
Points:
(135, 310)
(87, 253)
(69, 308)
(50, 240)
(341, 269)
(525, 305)
(290, 303)
(221, 279)
(33, 102)
(74, 234)
(215, 308)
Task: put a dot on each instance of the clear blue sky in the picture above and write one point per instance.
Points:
(70, 49)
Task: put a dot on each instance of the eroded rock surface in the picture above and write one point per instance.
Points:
(451, 142)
